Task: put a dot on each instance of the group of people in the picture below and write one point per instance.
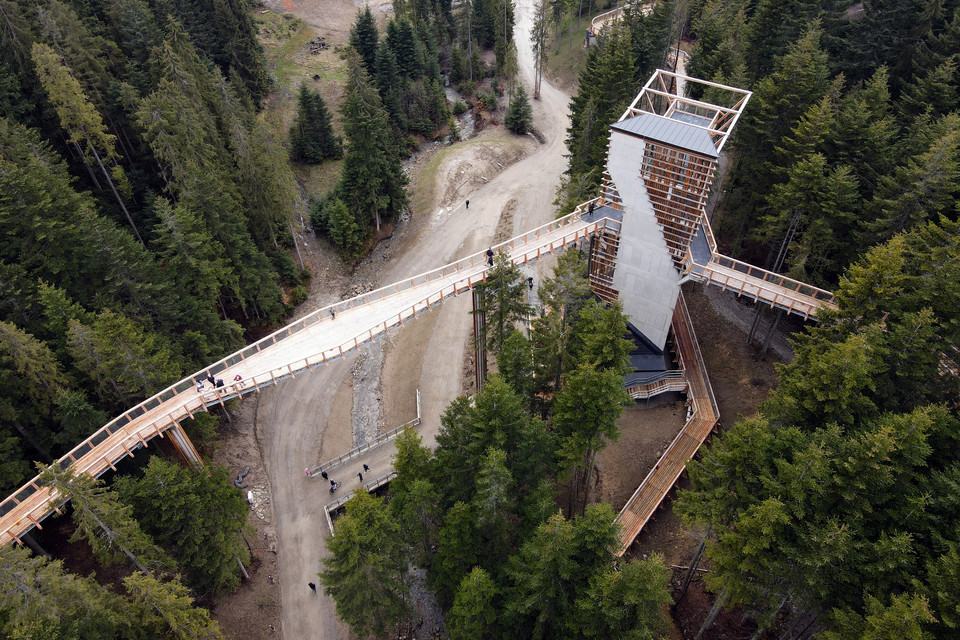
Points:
(334, 485)
(216, 383)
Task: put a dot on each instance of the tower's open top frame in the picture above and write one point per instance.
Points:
(659, 97)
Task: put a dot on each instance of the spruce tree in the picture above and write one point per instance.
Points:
(364, 573)
(364, 37)
(372, 184)
(473, 614)
(311, 136)
(166, 608)
(519, 116)
(197, 514)
(387, 79)
(502, 302)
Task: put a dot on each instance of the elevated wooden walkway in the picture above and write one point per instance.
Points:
(704, 264)
(703, 418)
(303, 345)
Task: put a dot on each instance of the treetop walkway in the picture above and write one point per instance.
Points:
(303, 345)
(703, 418)
(704, 264)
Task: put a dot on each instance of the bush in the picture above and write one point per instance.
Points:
(459, 107)
(318, 215)
(298, 295)
(467, 87)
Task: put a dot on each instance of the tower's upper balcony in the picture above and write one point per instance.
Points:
(663, 103)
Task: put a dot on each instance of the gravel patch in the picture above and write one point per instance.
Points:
(367, 398)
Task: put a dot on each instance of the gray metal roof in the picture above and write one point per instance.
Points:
(669, 131)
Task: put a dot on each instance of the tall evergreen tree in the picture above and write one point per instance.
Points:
(364, 37)
(311, 136)
(197, 514)
(519, 116)
(166, 609)
(502, 302)
(372, 185)
(365, 571)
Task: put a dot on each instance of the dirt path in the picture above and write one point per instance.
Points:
(307, 420)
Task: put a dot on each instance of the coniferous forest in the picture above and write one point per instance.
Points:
(148, 216)
(833, 512)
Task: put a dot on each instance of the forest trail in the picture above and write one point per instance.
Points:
(307, 420)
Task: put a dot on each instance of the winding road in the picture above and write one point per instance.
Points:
(304, 416)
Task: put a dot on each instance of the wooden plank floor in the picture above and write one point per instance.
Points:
(650, 494)
(323, 337)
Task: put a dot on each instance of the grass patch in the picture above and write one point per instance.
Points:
(424, 196)
(564, 68)
(285, 42)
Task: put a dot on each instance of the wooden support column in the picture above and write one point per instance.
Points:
(184, 446)
(480, 357)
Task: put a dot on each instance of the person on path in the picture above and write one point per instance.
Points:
(219, 383)
(366, 468)
(530, 283)
(490, 256)
(237, 378)
(323, 474)
(333, 483)
(468, 204)
(306, 470)
(312, 586)
(199, 385)
(360, 475)
(590, 207)
(211, 379)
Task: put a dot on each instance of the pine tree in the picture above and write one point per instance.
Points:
(473, 614)
(365, 571)
(364, 38)
(166, 609)
(372, 184)
(311, 136)
(197, 514)
(519, 116)
(502, 302)
(103, 521)
(458, 544)
(123, 361)
(494, 507)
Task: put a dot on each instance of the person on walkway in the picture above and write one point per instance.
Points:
(530, 283)
(306, 470)
(312, 586)
(366, 468)
(333, 483)
(360, 475)
(323, 474)
(219, 382)
(333, 314)
(237, 378)
(590, 207)
(468, 204)
(490, 256)
(199, 385)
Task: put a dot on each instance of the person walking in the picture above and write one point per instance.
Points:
(323, 474)
(360, 475)
(306, 470)
(312, 586)
(366, 468)
(468, 204)
(490, 256)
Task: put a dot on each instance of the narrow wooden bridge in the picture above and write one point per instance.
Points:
(303, 345)
(704, 416)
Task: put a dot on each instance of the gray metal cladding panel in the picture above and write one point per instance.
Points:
(669, 131)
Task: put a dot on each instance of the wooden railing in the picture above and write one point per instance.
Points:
(133, 429)
(703, 418)
(382, 439)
